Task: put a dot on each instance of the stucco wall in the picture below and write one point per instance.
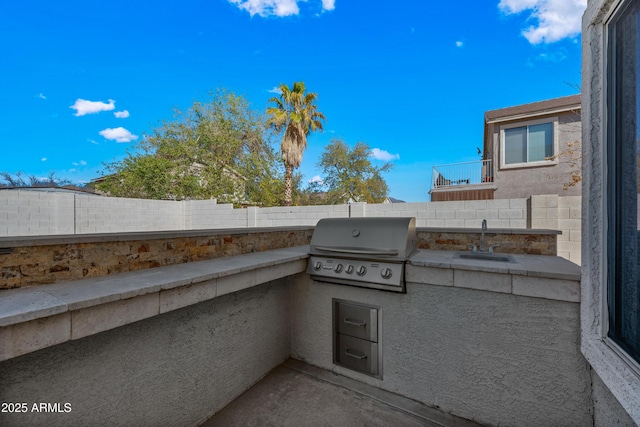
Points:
(607, 410)
(497, 359)
(175, 369)
(618, 379)
(524, 182)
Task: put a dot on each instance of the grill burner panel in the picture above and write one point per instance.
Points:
(371, 274)
(365, 252)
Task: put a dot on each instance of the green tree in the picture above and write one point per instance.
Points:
(220, 149)
(312, 194)
(349, 174)
(294, 112)
(20, 179)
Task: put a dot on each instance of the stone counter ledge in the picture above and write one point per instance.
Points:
(36, 317)
(63, 239)
(538, 276)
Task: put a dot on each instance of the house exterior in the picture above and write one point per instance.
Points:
(610, 287)
(529, 149)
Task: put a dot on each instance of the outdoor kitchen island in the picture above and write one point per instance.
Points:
(491, 342)
(494, 342)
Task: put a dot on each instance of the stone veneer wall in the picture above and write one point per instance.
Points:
(36, 263)
(507, 241)
(40, 261)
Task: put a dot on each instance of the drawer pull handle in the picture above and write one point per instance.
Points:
(356, 323)
(355, 356)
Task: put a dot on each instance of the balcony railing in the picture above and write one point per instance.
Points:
(466, 173)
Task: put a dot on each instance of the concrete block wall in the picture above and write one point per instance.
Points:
(30, 213)
(207, 214)
(94, 214)
(301, 215)
(459, 214)
(570, 222)
(559, 213)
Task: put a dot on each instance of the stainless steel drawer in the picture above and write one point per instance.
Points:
(357, 354)
(356, 320)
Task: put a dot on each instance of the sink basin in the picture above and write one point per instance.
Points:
(484, 256)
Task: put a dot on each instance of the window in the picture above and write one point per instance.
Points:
(532, 143)
(623, 180)
(609, 298)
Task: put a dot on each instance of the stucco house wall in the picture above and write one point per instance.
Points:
(615, 381)
(544, 179)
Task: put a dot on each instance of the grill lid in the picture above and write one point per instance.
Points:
(389, 239)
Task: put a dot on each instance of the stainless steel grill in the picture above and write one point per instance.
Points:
(365, 252)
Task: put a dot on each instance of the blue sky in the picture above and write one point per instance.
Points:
(82, 81)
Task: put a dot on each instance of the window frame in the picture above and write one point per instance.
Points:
(614, 209)
(617, 370)
(554, 156)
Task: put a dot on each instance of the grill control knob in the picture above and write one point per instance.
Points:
(349, 269)
(317, 265)
(386, 273)
(339, 268)
(362, 270)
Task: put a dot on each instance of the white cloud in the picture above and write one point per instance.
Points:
(121, 114)
(118, 134)
(517, 6)
(41, 96)
(383, 155)
(268, 7)
(80, 163)
(275, 90)
(328, 4)
(317, 179)
(83, 107)
(276, 7)
(556, 19)
(459, 43)
(92, 141)
(44, 159)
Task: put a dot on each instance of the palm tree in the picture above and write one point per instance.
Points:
(295, 112)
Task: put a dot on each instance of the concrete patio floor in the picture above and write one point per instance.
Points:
(298, 394)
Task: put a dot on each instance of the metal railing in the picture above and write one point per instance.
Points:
(466, 173)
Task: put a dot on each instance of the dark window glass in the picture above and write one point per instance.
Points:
(624, 179)
(528, 144)
(540, 142)
(515, 145)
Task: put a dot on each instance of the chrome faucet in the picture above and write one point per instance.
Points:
(474, 248)
(484, 228)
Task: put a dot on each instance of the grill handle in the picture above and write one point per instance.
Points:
(356, 323)
(355, 356)
(340, 250)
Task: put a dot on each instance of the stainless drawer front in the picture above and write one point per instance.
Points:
(357, 354)
(356, 321)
